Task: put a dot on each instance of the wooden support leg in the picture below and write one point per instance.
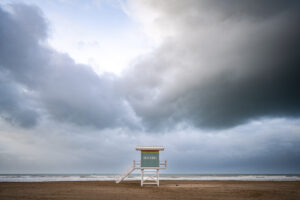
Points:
(142, 177)
(157, 177)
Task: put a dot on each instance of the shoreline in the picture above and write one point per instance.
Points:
(136, 177)
(161, 180)
(174, 189)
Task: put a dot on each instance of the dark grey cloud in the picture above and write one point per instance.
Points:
(220, 64)
(265, 146)
(16, 105)
(62, 89)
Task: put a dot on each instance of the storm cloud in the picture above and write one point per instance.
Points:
(219, 64)
(37, 81)
(266, 146)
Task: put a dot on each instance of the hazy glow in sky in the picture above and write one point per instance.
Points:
(97, 33)
(100, 35)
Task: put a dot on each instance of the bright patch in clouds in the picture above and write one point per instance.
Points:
(106, 45)
(100, 34)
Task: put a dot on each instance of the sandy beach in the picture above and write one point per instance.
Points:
(168, 190)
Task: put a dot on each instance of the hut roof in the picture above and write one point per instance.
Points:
(159, 148)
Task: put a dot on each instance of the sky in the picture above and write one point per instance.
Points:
(82, 83)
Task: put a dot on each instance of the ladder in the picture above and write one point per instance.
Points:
(126, 173)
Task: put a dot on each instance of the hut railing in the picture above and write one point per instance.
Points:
(162, 165)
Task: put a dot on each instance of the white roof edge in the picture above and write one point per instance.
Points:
(160, 148)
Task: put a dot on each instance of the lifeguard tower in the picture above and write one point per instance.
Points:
(149, 165)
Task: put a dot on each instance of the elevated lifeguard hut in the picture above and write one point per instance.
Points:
(149, 165)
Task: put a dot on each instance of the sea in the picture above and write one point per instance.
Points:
(112, 177)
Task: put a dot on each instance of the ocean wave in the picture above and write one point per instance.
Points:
(112, 177)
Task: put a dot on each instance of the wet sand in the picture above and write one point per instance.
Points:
(168, 190)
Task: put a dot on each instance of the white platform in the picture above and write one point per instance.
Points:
(147, 177)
